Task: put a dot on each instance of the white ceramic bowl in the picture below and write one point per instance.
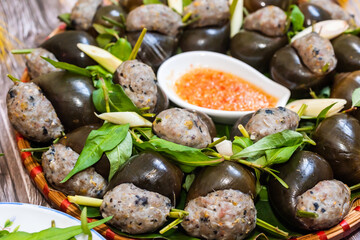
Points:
(172, 69)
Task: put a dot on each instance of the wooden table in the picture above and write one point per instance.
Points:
(29, 21)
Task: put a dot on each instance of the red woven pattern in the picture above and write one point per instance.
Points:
(345, 226)
(64, 205)
(322, 235)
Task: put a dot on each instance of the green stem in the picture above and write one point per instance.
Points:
(115, 23)
(150, 115)
(12, 78)
(1, 154)
(271, 228)
(249, 164)
(313, 94)
(213, 144)
(186, 17)
(305, 129)
(218, 155)
(137, 45)
(56, 141)
(144, 109)
(308, 140)
(133, 134)
(43, 149)
(355, 187)
(243, 131)
(22, 51)
(282, 182)
(305, 214)
(170, 226)
(302, 110)
(191, 21)
(353, 108)
(85, 201)
(106, 94)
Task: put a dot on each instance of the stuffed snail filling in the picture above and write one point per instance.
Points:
(220, 203)
(263, 34)
(311, 190)
(141, 193)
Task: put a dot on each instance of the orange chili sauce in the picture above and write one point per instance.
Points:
(219, 90)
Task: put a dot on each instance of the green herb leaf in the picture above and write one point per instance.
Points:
(84, 226)
(145, 132)
(69, 67)
(297, 18)
(65, 17)
(188, 181)
(119, 155)
(98, 72)
(103, 39)
(8, 223)
(240, 143)
(119, 101)
(285, 138)
(121, 49)
(186, 2)
(186, 157)
(322, 114)
(54, 233)
(281, 155)
(2, 154)
(356, 98)
(92, 212)
(99, 141)
(152, 2)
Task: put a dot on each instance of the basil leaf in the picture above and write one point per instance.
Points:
(69, 67)
(119, 155)
(322, 114)
(186, 2)
(240, 143)
(92, 212)
(356, 98)
(65, 18)
(118, 100)
(103, 39)
(297, 18)
(281, 155)
(145, 132)
(188, 181)
(182, 155)
(285, 138)
(106, 138)
(121, 49)
(152, 2)
(54, 233)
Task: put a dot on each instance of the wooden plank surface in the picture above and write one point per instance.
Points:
(29, 22)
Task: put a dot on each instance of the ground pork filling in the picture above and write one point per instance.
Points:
(223, 214)
(330, 199)
(58, 161)
(31, 113)
(135, 210)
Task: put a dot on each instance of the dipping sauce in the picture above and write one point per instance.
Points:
(219, 90)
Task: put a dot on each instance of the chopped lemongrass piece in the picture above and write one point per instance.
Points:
(170, 226)
(327, 29)
(101, 56)
(134, 119)
(236, 17)
(224, 147)
(22, 51)
(177, 5)
(85, 201)
(243, 131)
(43, 149)
(315, 106)
(271, 228)
(12, 78)
(304, 214)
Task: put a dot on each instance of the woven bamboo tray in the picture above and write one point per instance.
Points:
(59, 200)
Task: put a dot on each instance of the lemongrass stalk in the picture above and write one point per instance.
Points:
(138, 43)
(43, 149)
(213, 144)
(170, 226)
(271, 228)
(85, 201)
(305, 214)
(243, 131)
